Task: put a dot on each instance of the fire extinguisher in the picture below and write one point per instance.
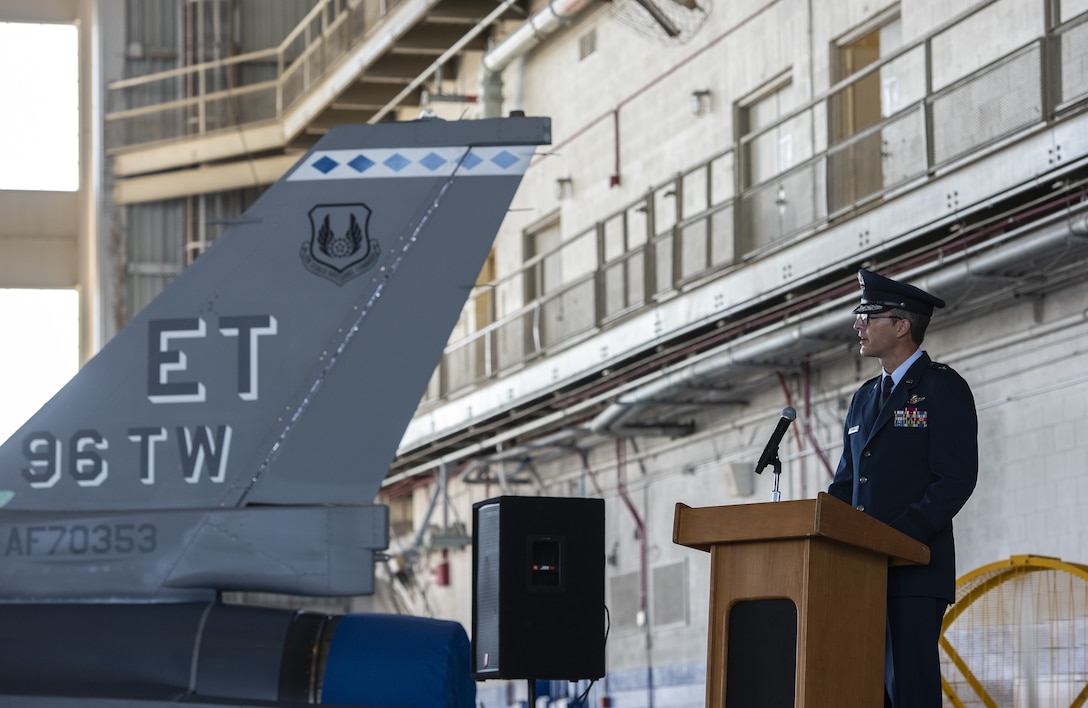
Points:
(442, 570)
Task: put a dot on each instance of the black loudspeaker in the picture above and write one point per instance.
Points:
(538, 588)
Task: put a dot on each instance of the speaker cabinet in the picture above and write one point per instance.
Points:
(538, 588)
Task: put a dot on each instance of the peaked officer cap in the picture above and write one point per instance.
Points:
(879, 294)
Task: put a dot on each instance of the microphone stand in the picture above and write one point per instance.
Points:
(770, 452)
(777, 465)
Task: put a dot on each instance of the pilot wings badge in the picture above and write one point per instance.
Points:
(340, 246)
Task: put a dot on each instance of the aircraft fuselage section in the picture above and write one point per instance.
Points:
(90, 538)
(178, 553)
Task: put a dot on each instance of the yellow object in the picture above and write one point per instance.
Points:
(1017, 636)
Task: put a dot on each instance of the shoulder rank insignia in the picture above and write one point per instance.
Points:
(915, 399)
(911, 418)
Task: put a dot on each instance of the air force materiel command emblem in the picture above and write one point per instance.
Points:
(340, 246)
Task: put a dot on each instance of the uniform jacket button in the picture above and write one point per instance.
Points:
(867, 453)
(863, 480)
(861, 507)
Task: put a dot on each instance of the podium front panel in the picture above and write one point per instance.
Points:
(838, 593)
(762, 662)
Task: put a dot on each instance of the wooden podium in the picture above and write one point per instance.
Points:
(797, 601)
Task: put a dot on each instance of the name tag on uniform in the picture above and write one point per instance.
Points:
(853, 430)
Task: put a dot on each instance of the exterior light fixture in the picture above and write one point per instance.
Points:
(700, 102)
(564, 187)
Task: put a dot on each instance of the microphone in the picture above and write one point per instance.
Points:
(770, 453)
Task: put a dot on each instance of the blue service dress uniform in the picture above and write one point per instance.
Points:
(913, 464)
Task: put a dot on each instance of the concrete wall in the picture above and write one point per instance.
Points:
(1026, 358)
(1027, 363)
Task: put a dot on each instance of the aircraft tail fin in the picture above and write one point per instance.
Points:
(283, 366)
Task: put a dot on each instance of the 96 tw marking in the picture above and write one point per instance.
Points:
(199, 448)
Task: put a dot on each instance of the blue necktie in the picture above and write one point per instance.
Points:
(885, 390)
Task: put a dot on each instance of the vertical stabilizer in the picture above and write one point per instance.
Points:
(281, 368)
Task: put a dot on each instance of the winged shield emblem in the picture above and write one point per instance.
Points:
(340, 246)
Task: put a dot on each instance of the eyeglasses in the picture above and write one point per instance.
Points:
(863, 319)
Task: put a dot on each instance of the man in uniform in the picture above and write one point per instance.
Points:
(910, 459)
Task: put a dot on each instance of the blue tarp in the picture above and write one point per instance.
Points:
(397, 660)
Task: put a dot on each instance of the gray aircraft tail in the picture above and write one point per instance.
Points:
(280, 369)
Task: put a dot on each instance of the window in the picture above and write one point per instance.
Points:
(858, 166)
(560, 279)
(778, 187)
(768, 144)
(39, 132)
(41, 331)
(469, 357)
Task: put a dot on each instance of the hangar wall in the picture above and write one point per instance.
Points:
(765, 85)
(1017, 337)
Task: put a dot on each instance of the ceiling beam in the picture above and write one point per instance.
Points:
(203, 180)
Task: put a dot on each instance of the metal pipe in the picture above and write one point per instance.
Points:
(437, 64)
(611, 421)
(621, 489)
(532, 32)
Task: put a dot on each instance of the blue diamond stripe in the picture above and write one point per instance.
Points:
(397, 162)
(361, 163)
(505, 159)
(432, 161)
(326, 165)
(470, 160)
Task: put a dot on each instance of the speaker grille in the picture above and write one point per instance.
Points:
(486, 636)
(538, 593)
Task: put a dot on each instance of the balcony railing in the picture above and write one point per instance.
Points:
(246, 88)
(705, 221)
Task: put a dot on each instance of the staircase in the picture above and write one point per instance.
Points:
(243, 120)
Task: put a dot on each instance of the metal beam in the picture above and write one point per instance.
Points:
(202, 180)
(39, 239)
(276, 134)
(245, 139)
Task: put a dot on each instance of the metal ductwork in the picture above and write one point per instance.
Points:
(758, 348)
(535, 30)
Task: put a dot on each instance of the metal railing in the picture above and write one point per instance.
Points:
(705, 221)
(246, 88)
(695, 225)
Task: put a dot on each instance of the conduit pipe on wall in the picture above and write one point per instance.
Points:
(438, 63)
(750, 351)
(809, 432)
(535, 30)
(621, 489)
